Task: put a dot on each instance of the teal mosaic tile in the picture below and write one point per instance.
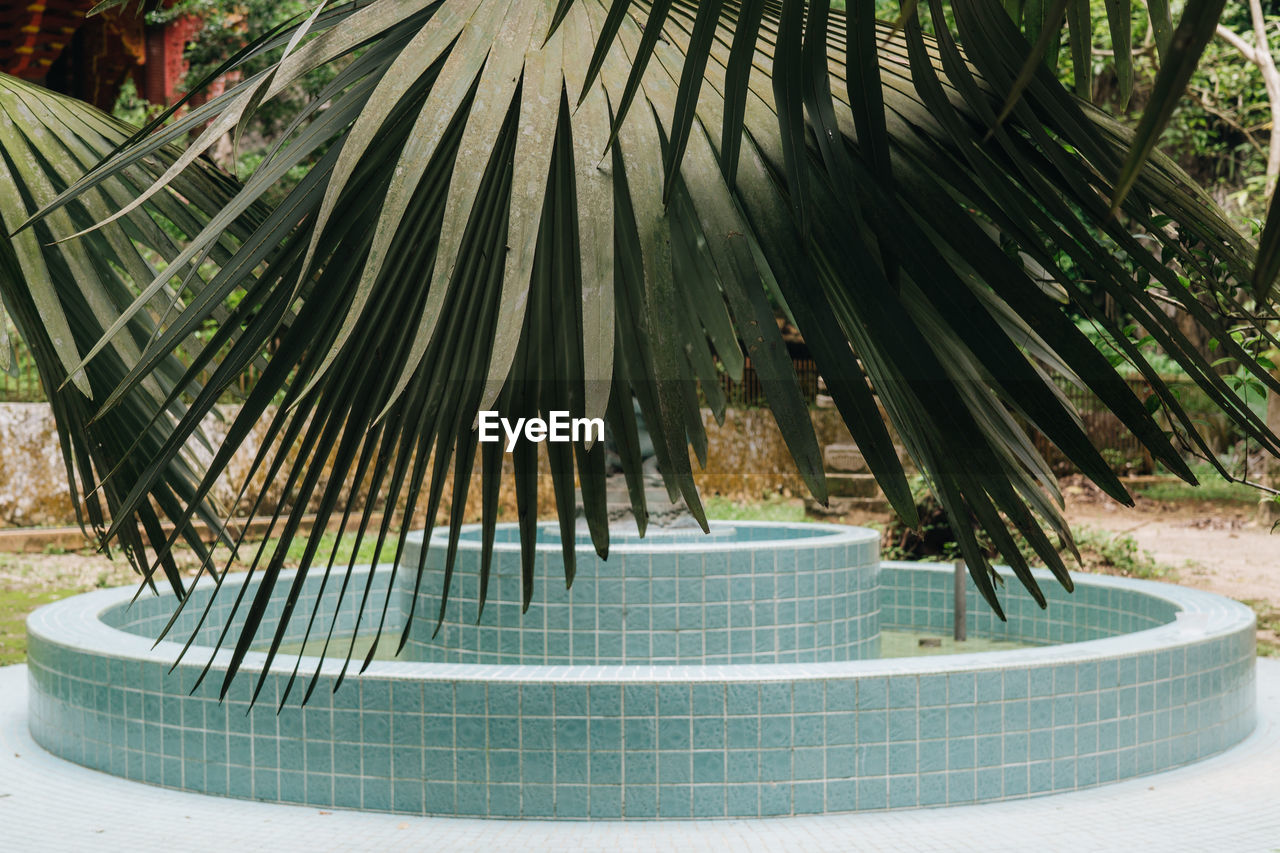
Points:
(709, 733)
(713, 745)
(675, 801)
(641, 801)
(650, 585)
(640, 768)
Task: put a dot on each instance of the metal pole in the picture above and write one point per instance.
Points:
(960, 609)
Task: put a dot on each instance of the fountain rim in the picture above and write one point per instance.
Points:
(78, 621)
(825, 534)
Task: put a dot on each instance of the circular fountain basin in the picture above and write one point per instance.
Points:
(501, 720)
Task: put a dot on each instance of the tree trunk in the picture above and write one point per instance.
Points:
(1259, 53)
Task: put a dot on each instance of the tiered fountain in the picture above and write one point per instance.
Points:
(689, 676)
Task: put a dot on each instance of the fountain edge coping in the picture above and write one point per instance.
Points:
(77, 622)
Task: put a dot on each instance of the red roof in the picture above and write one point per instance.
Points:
(32, 35)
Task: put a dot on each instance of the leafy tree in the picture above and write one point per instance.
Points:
(227, 26)
(533, 206)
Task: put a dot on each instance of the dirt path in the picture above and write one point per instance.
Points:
(1215, 546)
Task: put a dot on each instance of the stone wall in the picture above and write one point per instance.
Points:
(33, 481)
(746, 458)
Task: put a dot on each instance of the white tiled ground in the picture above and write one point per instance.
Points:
(1229, 803)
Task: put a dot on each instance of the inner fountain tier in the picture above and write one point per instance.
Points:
(748, 593)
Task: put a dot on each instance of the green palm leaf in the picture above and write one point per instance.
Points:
(63, 296)
(550, 206)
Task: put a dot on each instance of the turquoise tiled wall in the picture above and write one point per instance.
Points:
(734, 599)
(358, 610)
(912, 599)
(668, 742)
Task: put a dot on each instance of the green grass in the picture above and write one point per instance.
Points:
(1208, 490)
(773, 508)
(15, 604)
(364, 557)
(1117, 554)
(1212, 488)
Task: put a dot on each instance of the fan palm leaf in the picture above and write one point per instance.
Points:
(538, 206)
(62, 297)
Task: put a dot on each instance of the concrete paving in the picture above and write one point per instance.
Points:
(1228, 803)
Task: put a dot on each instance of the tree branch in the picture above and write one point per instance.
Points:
(1259, 54)
(1246, 49)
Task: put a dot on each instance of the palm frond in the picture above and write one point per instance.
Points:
(63, 296)
(550, 206)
